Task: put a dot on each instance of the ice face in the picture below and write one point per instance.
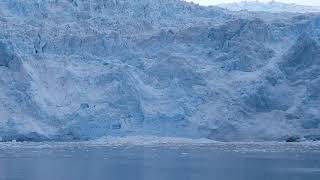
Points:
(79, 70)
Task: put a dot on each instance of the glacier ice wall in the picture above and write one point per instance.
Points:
(82, 69)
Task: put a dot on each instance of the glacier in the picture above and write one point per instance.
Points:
(74, 70)
(272, 7)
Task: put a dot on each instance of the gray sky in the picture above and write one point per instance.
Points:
(213, 2)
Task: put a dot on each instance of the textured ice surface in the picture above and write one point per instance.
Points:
(273, 7)
(79, 70)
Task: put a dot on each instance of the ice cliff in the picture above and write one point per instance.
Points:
(83, 69)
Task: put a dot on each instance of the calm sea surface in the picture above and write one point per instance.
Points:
(221, 161)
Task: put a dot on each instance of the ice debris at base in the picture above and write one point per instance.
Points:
(73, 70)
(150, 140)
(156, 143)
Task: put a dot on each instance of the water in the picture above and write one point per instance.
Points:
(219, 161)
